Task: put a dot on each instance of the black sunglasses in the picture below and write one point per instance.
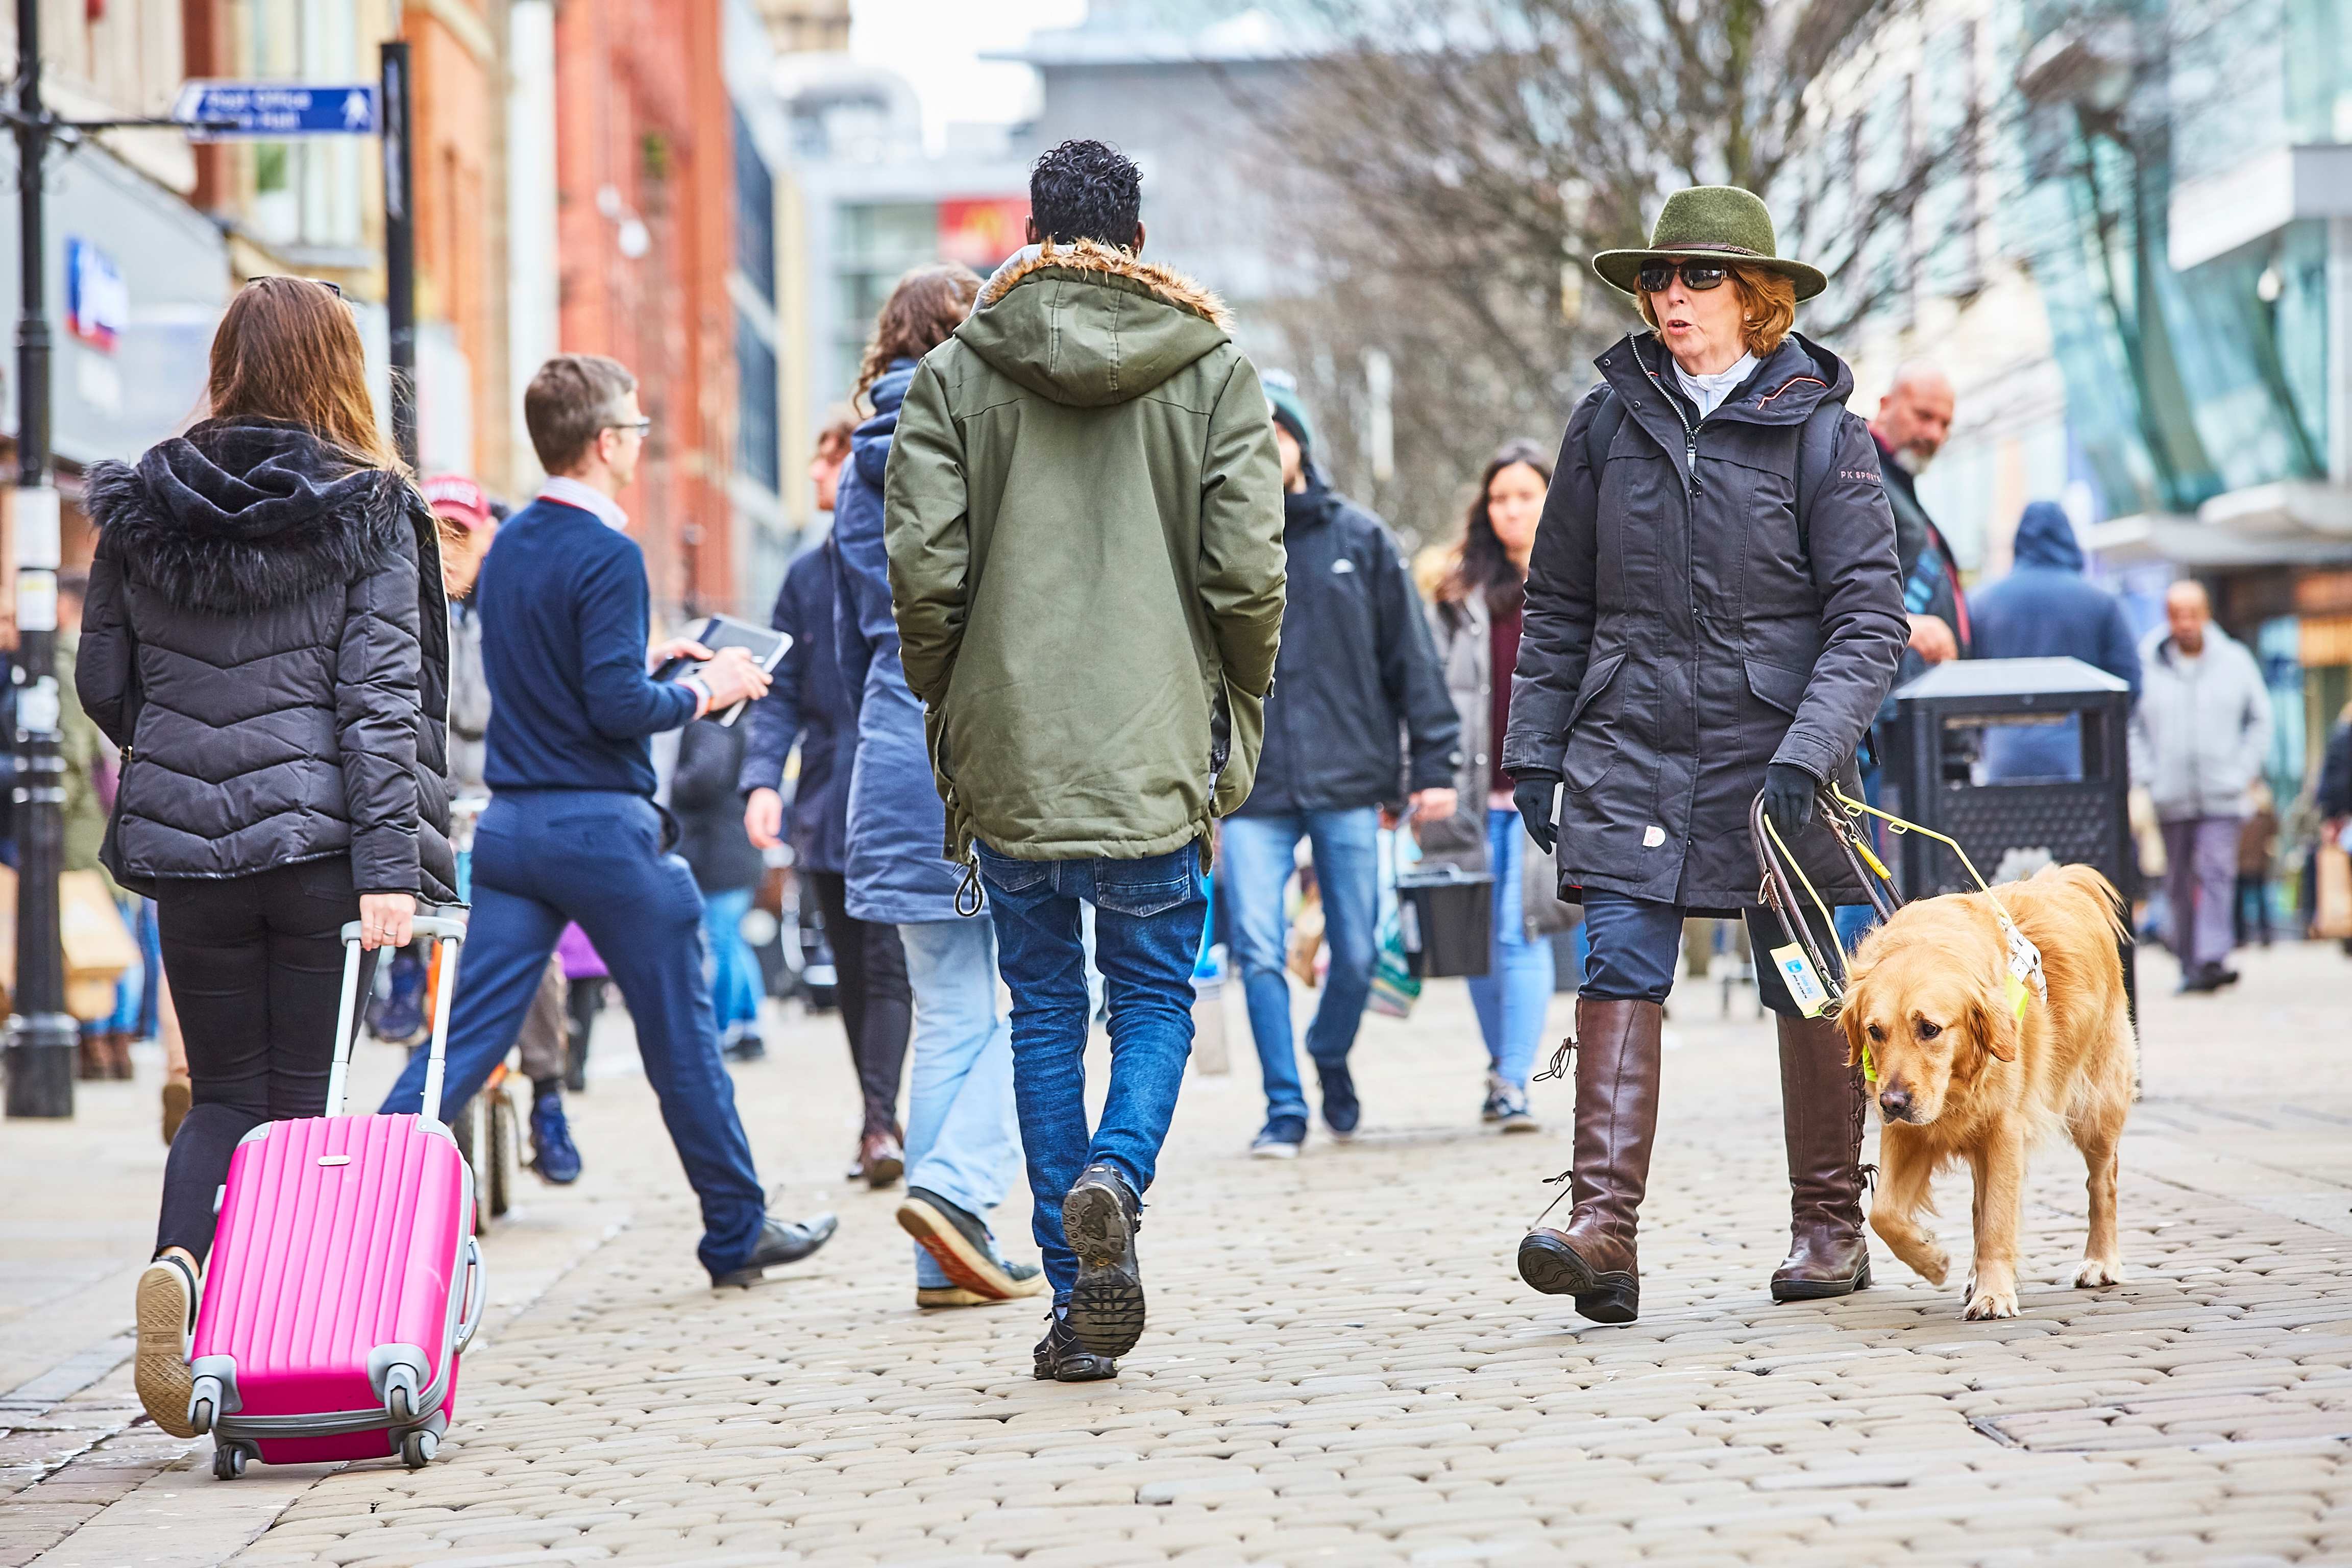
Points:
(1656, 276)
(329, 284)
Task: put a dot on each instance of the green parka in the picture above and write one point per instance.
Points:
(1084, 517)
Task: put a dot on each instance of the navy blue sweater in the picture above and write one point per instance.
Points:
(565, 612)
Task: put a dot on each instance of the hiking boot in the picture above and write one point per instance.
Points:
(779, 1243)
(1061, 1359)
(552, 1153)
(1592, 1256)
(1280, 1139)
(1822, 1108)
(1098, 1221)
(1341, 1111)
(959, 1244)
(167, 1317)
(1510, 1102)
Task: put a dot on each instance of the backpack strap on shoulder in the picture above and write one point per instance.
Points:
(1817, 442)
(1602, 430)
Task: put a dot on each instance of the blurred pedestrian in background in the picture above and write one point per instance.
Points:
(1358, 668)
(727, 868)
(812, 707)
(2249, 904)
(825, 468)
(962, 1139)
(572, 831)
(2332, 799)
(1081, 519)
(1689, 638)
(2198, 738)
(2045, 608)
(1476, 616)
(266, 638)
(1912, 421)
(469, 525)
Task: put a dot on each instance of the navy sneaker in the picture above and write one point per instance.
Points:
(1098, 1220)
(552, 1153)
(1280, 1138)
(1340, 1110)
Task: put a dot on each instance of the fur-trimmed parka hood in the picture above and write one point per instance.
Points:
(1089, 324)
(237, 517)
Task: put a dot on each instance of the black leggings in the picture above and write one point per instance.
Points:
(878, 1008)
(255, 965)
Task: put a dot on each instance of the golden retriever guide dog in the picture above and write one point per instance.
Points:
(1963, 1076)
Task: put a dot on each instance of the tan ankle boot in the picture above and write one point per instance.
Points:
(1822, 1113)
(1591, 1255)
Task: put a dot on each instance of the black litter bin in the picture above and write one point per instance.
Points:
(1448, 919)
(2026, 761)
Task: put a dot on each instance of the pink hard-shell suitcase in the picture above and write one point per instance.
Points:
(344, 1281)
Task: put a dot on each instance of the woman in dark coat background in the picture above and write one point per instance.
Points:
(1712, 610)
(267, 639)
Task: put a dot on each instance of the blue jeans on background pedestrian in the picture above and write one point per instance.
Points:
(1148, 919)
(1257, 854)
(1512, 997)
(962, 1137)
(542, 857)
(734, 973)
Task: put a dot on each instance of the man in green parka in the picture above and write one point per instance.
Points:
(1084, 518)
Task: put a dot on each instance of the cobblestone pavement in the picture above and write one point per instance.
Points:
(1341, 1365)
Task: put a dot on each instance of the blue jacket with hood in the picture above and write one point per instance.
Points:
(2045, 608)
(896, 822)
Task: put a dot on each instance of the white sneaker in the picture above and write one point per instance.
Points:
(1279, 1141)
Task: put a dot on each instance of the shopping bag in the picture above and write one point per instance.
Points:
(2332, 907)
(1395, 987)
(97, 946)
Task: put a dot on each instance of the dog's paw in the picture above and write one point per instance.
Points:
(1991, 1303)
(1934, 1265)
(2096, 1272)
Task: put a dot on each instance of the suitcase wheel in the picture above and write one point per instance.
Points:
(204, 1403)
(400, 1392)
(228, 1460)
(417, 1448)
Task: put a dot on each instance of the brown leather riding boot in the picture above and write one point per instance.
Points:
(1591, 1257)
(1822, 1110)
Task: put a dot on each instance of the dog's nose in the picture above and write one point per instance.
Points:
(1895, 1101)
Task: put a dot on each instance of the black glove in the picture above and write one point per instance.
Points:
(1789, 791)
(1532, 792)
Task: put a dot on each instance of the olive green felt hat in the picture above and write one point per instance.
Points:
(1718, 223)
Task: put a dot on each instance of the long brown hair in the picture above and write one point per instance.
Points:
(1485, 567)
(287, 350)
(928, 304)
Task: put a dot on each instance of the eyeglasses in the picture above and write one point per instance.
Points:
(1657, 277)
(640, 425)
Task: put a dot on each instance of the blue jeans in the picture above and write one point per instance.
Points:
(961, 1138)
(1148, 919)
(1256, 854)
(1637, 946)
(1513, 995)
(542, 857)
(734, 973)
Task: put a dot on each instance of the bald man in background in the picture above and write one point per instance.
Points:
(1912, 423)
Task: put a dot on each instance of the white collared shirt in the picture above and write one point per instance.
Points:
(587, 498)
(1708, 391)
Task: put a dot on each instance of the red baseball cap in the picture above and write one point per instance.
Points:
(458, 499)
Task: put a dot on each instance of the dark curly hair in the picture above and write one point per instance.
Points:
(1086, 190)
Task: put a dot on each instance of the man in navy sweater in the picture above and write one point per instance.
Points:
(572, 832)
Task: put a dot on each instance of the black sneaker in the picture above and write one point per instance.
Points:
(779, 1243)
(1098, 1220)
(1060, 1358)
(1342, 1110)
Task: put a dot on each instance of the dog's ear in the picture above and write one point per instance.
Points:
(1849, 1016)
(1995, 1027)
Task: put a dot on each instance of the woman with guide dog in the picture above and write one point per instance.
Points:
(1713, 609)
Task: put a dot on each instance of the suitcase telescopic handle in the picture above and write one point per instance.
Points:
(450, 932)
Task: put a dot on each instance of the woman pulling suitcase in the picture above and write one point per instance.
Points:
(267, 639)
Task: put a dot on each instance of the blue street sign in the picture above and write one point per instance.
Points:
(272, 110)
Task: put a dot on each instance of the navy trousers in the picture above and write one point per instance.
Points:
(545, 856)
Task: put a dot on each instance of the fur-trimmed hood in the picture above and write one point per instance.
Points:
(1089, 324)
(232, 518)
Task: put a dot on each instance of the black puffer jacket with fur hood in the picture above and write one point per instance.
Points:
(266, 637)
